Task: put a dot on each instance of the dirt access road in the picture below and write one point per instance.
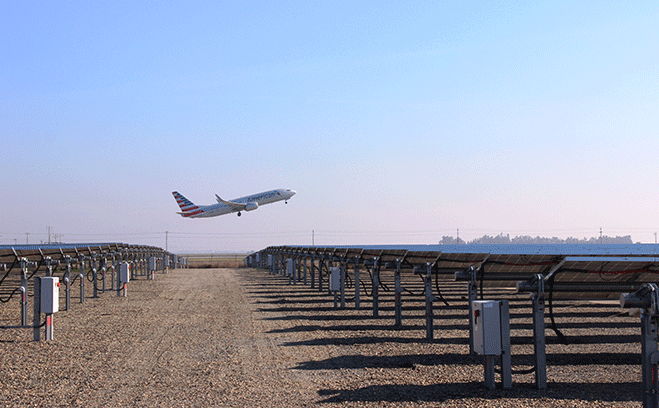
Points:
(244, 338)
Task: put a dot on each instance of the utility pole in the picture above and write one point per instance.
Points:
(27, 238)
(313, 238)
(48, 234)
(166, 240)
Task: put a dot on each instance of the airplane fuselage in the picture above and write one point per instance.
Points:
(247, 203)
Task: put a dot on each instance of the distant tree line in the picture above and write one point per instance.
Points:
(527, 239)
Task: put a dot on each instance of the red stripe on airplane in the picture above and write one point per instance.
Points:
(192, 213)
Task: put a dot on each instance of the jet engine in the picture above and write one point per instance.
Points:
(251, 206)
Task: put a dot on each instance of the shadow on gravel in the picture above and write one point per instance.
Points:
(411, 360)
(609, 392)
(360, 340)
(403, 361)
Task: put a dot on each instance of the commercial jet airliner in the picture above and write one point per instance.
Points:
(249, 203)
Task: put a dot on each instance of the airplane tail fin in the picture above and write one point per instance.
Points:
(188, 208)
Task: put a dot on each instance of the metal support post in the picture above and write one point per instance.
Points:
(67, 290)
(95, 283)
(320, 275)
(647, 298)
(539, 348)
(24, 284)
(357, 289)
(67, 284)
(650, 357)
(117, 262)
(397, 297)
(489, 363)
(113, 266)
(376, 287)
(101, 267)
(304, 266)
(49, 266)
(82, 287)
(313, 275)
(48, 330)
(472, 289)
(329, 269)
(429, 299)
(506, 362)
(343, 285)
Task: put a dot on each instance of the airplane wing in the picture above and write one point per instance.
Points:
(231, 204)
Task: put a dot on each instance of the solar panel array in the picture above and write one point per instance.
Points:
(21, 264)
(626, 272)
(589, 268)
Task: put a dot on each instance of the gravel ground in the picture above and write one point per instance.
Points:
(244, 338)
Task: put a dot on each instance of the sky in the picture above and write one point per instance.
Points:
(397, 122)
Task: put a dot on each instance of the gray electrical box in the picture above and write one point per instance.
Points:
(49, 295)
(487, 327)
(152, 263)
(335, 279)
(269, 260)
(290, 267)
(124, 272)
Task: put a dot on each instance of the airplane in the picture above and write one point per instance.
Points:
(249, 203)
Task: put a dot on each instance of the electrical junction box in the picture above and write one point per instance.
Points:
(152, 263)
(124, 272)
(49, 295)
(290, 267)
(335, 279)
(487, 327)
(269, 260)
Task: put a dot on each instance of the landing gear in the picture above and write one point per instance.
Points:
(239, 213)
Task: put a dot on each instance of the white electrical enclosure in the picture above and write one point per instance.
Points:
(335, 279)
(487, 327)
(290, 267)
(152, 263)
(269, 260)
(49, 295)
(124, 272)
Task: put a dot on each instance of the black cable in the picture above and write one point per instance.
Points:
(554, 327)
(527, 371)
(8, 270)
(439, 293)
(482, 279)
(10, 296)
(25, 327)
(380, 283)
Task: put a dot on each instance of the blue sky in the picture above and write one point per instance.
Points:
(396, 122)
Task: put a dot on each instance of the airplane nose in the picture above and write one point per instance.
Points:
(292, 192)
